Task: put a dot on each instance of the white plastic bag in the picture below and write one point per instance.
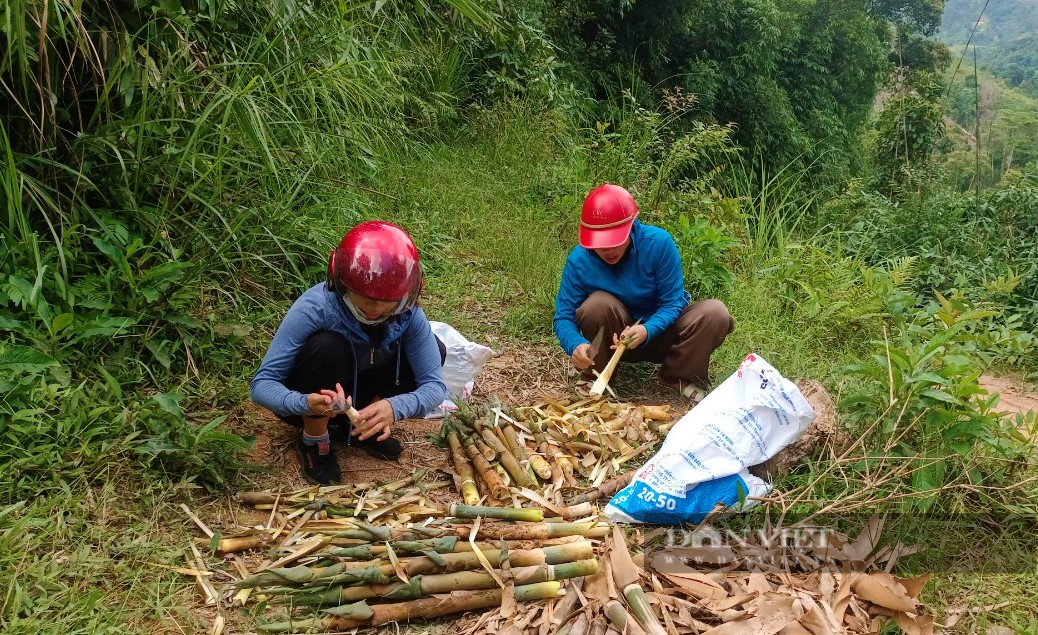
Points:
(464, 361)
(745, 421)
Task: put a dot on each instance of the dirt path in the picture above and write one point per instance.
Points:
(1016, 397)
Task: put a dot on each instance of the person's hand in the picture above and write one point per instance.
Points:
(376, 418)
(636, 334)
(320, 403)
(338, 401)
(581, 357)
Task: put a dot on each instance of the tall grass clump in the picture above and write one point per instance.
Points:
(172, 169)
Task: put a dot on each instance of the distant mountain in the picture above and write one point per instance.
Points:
(1003, 21)
(1006, 38)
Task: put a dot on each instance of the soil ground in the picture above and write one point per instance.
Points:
(1016, 396)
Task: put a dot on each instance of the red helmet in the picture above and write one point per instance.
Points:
(607, 217)
(378, 260)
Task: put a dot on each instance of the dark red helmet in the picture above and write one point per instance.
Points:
(607, 217)
(378, 260)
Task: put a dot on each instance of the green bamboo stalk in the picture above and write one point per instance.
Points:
(642, 611)
(335, 574)
(426, 585)
(621, 619)
(469, 491)
(360, 614)
(538, 531)
(446, 544)
(503, 513)
(486, 472)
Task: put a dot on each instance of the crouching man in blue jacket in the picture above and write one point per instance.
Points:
(625, 280)
(362, 330)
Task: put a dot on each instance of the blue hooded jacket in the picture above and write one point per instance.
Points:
(319, 309)
(648, 280)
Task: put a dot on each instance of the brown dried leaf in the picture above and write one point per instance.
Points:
(882, 589)
(758, 582)
(697, 585)
(914, 624)
(866, 542)
(397, 567)
(914, 586)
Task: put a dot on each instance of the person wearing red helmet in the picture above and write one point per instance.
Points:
(625, 279)
(361, 329)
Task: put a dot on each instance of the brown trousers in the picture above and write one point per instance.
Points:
(683, 349)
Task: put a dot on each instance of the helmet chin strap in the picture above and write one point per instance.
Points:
(357, 313)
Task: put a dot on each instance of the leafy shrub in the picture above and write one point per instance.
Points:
(986, 248)
(917, 396)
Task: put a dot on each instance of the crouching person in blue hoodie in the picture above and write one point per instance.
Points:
(359, 339)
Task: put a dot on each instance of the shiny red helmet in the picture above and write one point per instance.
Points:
(607, 217)
(376, 260)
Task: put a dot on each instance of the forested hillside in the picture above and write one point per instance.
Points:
(1005, 37)
(175, 173)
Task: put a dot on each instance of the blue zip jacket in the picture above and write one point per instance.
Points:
(648, 280)
(319, 309)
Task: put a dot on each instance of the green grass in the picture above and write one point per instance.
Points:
(93, 558)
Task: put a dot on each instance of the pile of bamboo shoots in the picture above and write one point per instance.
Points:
(360, 574)
(534, 452)
(527, 528)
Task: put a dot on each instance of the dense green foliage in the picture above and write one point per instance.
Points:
(796, 79)
(174, 173)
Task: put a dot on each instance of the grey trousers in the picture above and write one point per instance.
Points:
(684, 349)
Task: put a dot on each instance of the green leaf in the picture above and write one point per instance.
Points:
(939, 395)
(170, 402)
(22, 359)
(61, 322)
(158, 350)
(932, 378)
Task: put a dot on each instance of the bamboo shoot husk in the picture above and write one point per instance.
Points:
(578, 626)
(357, 615)
(469, 491)
(657, 413)
(568, 603)
(495, 485)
